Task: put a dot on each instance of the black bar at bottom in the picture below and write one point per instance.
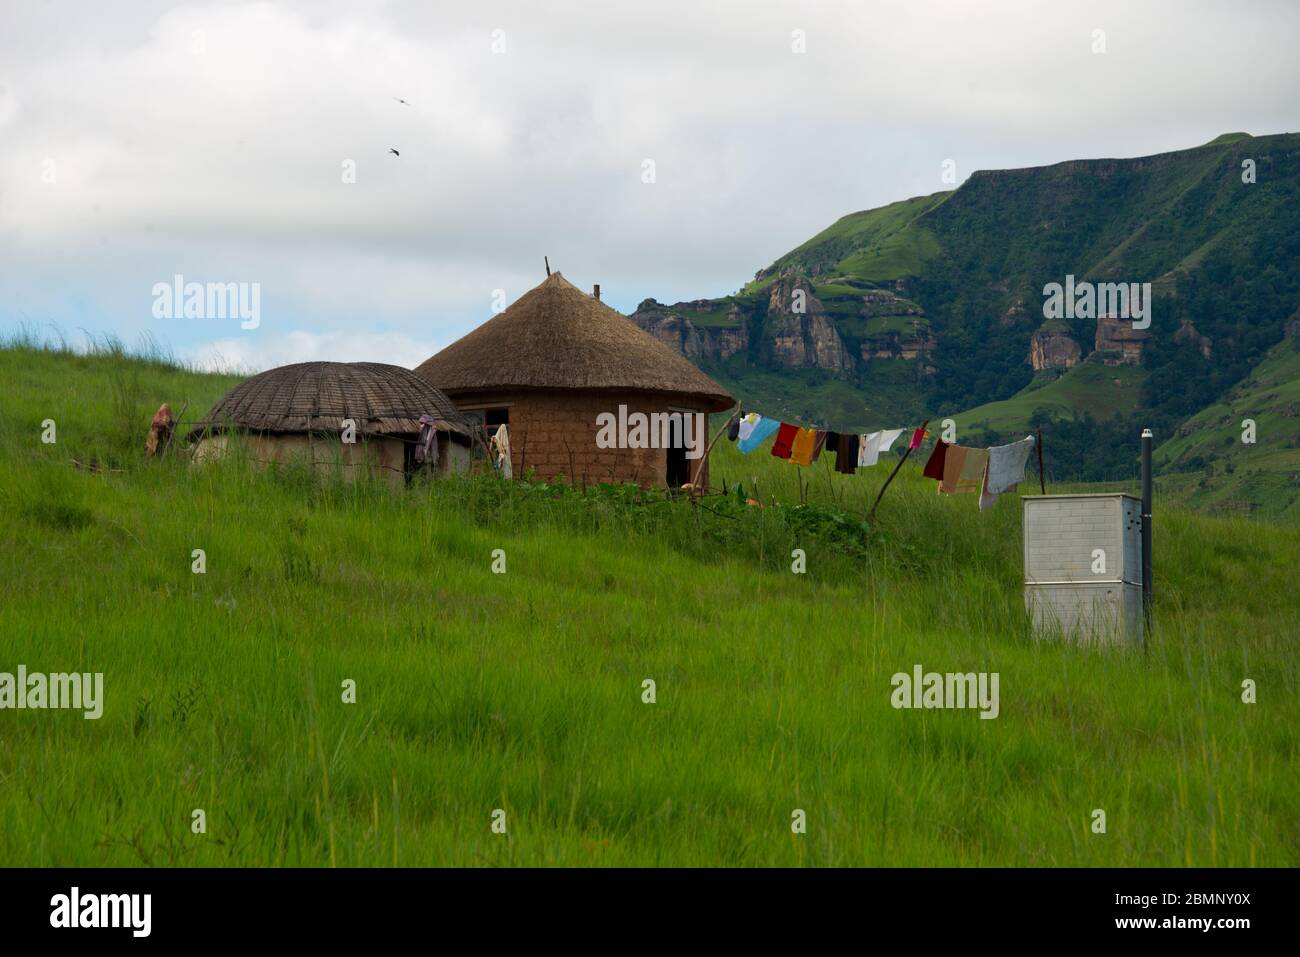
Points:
(492, 906)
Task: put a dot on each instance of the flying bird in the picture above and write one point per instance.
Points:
(402, 101)
(394, 152)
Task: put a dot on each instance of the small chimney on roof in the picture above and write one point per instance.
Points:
(595, 291)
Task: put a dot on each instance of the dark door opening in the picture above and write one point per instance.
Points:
(679, 467)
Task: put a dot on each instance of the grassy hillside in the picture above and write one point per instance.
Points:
(1093, 388)
(824, 400)
(1204, 464)
(523, 691)
(1217, 468)
(874, 244)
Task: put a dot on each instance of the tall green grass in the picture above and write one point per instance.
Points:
(523, 691)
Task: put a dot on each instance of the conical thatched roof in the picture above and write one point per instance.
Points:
(558, 337)
(318, 396)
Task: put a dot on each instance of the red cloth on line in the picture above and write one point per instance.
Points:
(917, 438)
(784, 440)
(934, 468)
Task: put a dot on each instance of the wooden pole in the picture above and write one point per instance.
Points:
(704, 459)
(881, 493)
(1147, 495)
(1042, 482)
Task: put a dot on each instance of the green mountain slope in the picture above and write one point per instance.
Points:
(1220, 470)
(875, 244)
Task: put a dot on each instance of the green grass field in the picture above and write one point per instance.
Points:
(523, 691)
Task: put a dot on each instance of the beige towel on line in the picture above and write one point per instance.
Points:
(963, 469)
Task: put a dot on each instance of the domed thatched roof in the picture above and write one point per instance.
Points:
(557, 337)
(318, 396)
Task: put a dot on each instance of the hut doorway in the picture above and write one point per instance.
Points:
(679, 466)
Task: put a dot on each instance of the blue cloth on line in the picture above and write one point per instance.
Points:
(763, 430)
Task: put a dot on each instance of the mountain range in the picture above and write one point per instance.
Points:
(933, 307)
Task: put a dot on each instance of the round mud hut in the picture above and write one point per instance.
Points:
(585, 394)
(345, 418)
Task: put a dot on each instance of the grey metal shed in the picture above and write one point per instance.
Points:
(1083, 566)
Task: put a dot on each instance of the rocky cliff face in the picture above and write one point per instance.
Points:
(788, 326)
(800, 334)
(1053, 348)
(917, 344)
(702, 341)
(1118, 343)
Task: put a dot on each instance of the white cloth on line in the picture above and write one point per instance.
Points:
(1006, 469)
(872, 444)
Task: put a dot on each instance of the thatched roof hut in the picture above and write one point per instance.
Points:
(558, 337)
(304, 410)
(553, 362)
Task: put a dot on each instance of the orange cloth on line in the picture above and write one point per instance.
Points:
(963, 470)
(801, 449)
(954, 458)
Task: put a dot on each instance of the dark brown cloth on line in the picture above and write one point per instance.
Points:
(934, 467)
(818, 444)
(846, 453)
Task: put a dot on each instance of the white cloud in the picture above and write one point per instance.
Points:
(254, 354)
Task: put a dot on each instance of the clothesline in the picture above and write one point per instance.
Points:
(991, 471)
(743, 410)
(803, 445)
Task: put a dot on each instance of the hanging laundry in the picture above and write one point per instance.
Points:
(754, 433)
(971, 477)
(1006, 469)
(917, 438)
(746, 425)
(818, 445)
(846, 453)
(963, 469)
(832, 442)
(426, 445)
(868, 449)
(733, 429)
(870, 446)
(500, 448)
(934, 467)
(954, 458)
(801, 449)
(785, 436)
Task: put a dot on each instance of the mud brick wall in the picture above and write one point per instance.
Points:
(553, 433)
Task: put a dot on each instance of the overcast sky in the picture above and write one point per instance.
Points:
(147, 139)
